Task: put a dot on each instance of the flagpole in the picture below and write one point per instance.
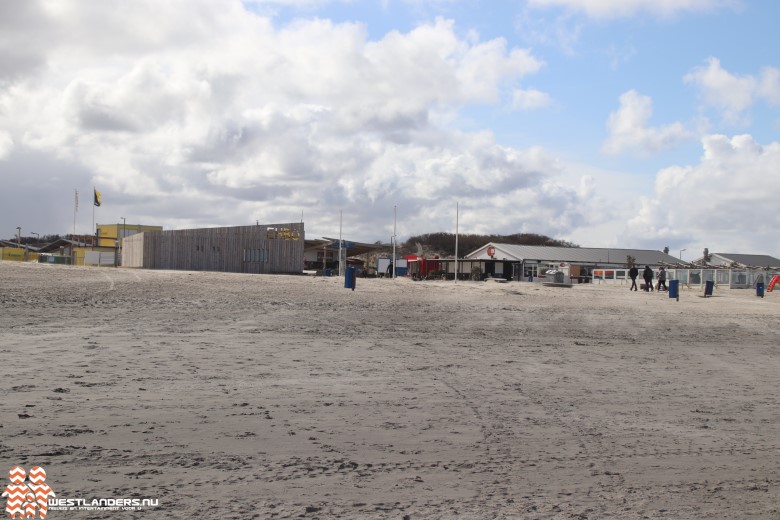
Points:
(341, 267)
(395, 214)
(93, 209)
(75, 210)
(457, 215)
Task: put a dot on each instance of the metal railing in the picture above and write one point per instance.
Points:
(732, 278)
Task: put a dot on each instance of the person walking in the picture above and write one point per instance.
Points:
(662, 280)
(633, 273)
(648, 276)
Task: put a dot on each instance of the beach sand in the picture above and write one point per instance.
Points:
(246, 396)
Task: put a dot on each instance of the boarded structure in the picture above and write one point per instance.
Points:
(261, 249)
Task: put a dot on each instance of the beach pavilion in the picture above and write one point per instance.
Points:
(578, 264)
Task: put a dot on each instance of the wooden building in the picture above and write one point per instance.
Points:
(261, 249)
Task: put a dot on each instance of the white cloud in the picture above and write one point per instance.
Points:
(724, 202)
(485, 66)
(200, 113)
(769, 86)
(562, 31)
(530, 99)
(6, 144)
(619, 56)
(628, 128)
(731, 94)
(725, 91)
(609, 9)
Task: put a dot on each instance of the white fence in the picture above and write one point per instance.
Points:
(731, 278)
(99, 258)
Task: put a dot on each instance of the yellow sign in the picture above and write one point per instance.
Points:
(283, 233)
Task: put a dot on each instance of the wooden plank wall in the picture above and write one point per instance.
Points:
(272, 248)
(133, 251)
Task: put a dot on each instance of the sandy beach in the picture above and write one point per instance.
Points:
(246, 396)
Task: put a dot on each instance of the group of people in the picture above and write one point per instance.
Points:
(648, 275)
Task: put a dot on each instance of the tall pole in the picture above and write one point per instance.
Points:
(18, 236)
(341, 267)
(121, 246)
(75, 210)
(457, 216)
(395, 215)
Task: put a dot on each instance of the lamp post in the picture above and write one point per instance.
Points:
(36, 234)
(18, 236)
(681, 252)
(395, 215)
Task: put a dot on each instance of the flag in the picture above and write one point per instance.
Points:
(97, 197)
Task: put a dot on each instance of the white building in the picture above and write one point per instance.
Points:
(740, 260)
(578, 264)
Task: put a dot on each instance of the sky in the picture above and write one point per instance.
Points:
(608, 123)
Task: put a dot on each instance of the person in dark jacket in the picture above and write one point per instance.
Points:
(633, 273)
(648, 276)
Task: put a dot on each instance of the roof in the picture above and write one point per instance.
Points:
(353, 248)
(62, 242)
(750, 260)
(583, 255)
(9, 243)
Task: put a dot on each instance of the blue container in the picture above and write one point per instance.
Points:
(350, 278)
(708, 286)
(760, 289)
(328, 272)
(674, 289)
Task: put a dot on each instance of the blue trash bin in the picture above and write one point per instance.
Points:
(674, 289)
(760, 289)
(708, 286)
(350, 278)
